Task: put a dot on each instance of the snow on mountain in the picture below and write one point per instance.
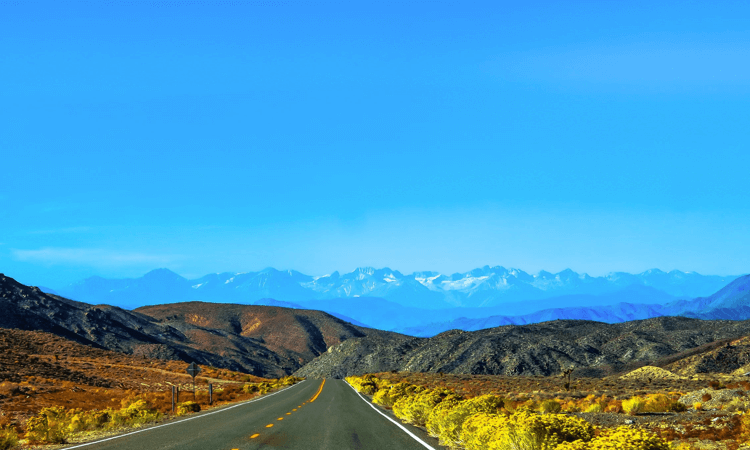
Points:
(482, 287)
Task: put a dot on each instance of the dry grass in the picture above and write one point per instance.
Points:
(40, 370)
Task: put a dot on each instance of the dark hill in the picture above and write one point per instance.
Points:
(293, 336)
(537, 349)
(261, 340)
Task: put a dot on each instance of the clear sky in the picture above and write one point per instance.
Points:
(318, 136)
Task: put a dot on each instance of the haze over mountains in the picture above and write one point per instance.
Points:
(273, 341)
(261, 340)
(421, 303)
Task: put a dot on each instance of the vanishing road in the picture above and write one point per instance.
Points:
(314, 414)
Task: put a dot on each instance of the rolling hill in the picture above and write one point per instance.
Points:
(260, 340)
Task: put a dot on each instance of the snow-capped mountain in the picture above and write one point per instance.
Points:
(482, 287)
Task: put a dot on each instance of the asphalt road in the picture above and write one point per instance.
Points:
(315, 414)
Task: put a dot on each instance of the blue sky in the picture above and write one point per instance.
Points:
(319, 136)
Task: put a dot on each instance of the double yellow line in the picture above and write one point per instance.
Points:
(320, 389)
(270, 425)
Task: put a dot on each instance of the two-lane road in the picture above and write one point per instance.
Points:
(315, 414)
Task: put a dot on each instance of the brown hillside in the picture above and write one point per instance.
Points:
(294, 336)
(261, 340)
(39, 369)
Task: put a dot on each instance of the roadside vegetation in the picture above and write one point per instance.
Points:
(560, 419)
(59, 425)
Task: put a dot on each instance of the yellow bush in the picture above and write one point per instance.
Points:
(389, 396)
(479, 431)
(438, 413)
(621, 438)
(634, 405)
(290, 380)
(523, 430)
(416, 408)
(658, 403)
(8, 438)
(550, 407)
(50, 425)
(187, 408)
(447, 424)
(698, 406)
(595, 408)
(367, 384)
(135, 412)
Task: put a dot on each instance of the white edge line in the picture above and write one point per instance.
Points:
(396, 423)
(181, 421)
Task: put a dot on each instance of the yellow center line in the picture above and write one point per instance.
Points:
(288, 414)
(269, 425)
(280, 418)
(295, 409)
(320, 389)
(253, 437)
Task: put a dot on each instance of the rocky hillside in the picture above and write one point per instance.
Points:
(261, 340)
(538, 349)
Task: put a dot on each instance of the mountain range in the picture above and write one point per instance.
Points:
(732, 302)
(260, 340)
(274, 340)
(422, 303)
(594, 348)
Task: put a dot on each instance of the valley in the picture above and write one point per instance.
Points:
(56, 352)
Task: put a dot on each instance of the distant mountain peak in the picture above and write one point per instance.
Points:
(162, 273)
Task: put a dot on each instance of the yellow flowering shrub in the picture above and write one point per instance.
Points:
(447, 423)
(634, 405)
(550, 406)
(135, 412)
(594, 408)
(50, 425)
(8, 438)
(523, 430)
(187, 408)
(416, 408)
(438, 413)
(481, 431)
(367, 384)
(389, 396)
(620, 438)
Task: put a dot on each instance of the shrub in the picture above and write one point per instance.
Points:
(523, 430)
(658, 403)
(677, 407)
(366, 384)
(620, 438)
(480, 430)
(416, 408)
(698, 406)
(8, 438)
(550, 407)
(634, 405)
(135, 412)
(50, 425)
(448, 423)
(595, 408)
(187, 408)
(436, 416)
(389, 396)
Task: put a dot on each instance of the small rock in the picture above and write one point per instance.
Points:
(629, 421)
